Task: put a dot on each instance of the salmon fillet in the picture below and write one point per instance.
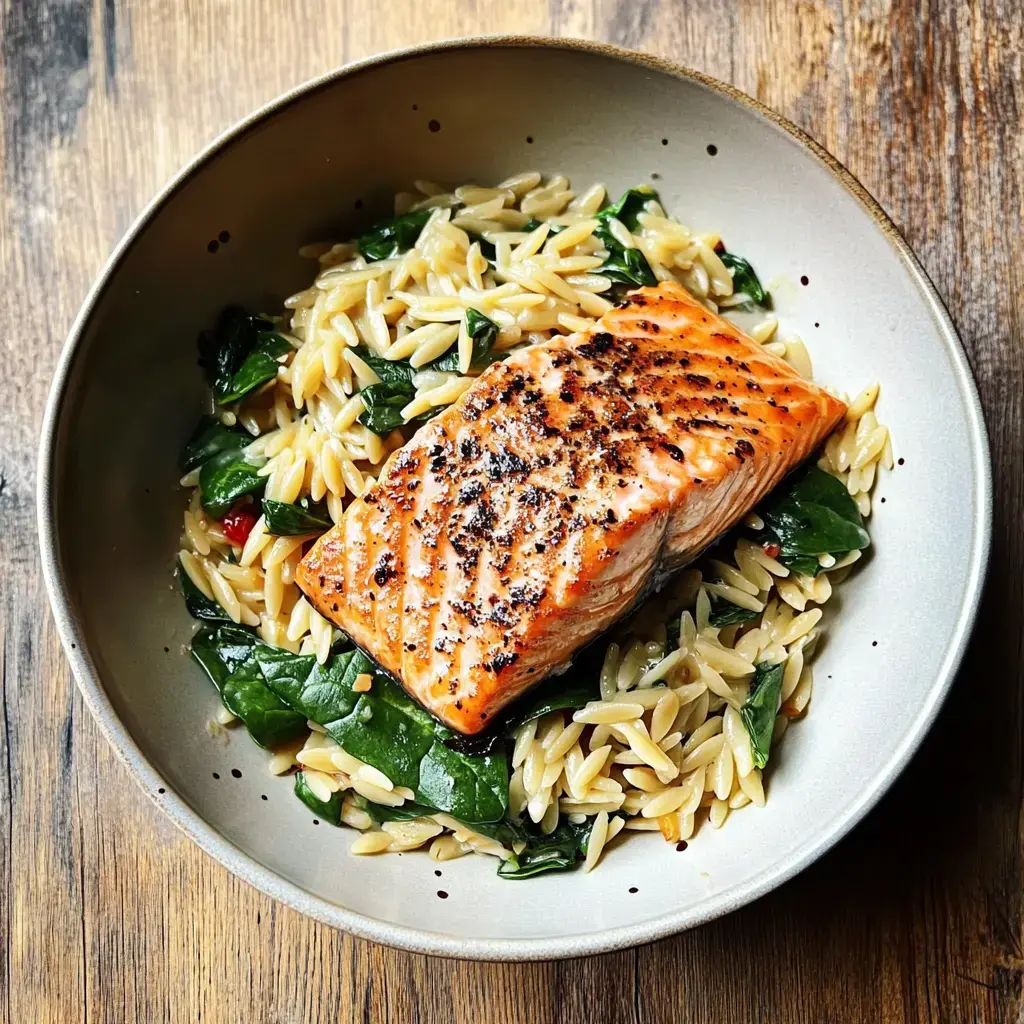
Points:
(565, 484)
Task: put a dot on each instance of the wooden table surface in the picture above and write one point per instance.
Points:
(108, 914)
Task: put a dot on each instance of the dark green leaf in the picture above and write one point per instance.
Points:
(725, 613)
(558, 851)
(384, 404)
(221, 649)
(390, 237)
(744, 280)
(561, 693)
(390, 371)
(625, 266)
(630, 205)
(211, 438)
(198, 604)
(284, 519)
(407, 812)
(386, 729)
(484, 333)
(224, 354)
(226, 477)
(269, 720)
(329, 811)
(760, 708)
(260, 366)
(812, 514)
(429, 414)
(227, 653)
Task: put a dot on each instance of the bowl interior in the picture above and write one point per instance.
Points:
(326, 164)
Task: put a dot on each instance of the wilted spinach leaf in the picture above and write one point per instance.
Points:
(630, 206)
(384, 404)
(812, 514)
(386, 729)
(390, 371)
(227, 654)
(725, 613)
(625, 266)
(226, 477)
(558, 851)
(406, 812)
(760, 708)
(284, 519)
(329, 811)
(745, 281)
(260, 366)
(221, 649)
(198, 604)
(240, 354)
(560, 693)
(484, 333)
(390, 237)
(208, 439)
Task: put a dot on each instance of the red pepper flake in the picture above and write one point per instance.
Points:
(238, 524)
(772, 550)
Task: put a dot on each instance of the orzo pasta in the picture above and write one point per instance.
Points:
(669, 726)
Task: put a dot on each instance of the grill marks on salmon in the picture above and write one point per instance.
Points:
(566, 483)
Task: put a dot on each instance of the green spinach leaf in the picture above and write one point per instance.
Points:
(812, 514)
(284, 519)
(226, 477)
(558, 851)
(745, 281)
(484, 333)
(240, 354)
(198, 604)
(625, 266)
(725, 613)
(260, 366)
(407, 812)
(222, 649)
(228, 655)
(557, 694)
(390, 237)
(329, 811)
(630, 205)
(386, 729)
(390, 371)
(211, 438)
(384, 404)
(760, 708)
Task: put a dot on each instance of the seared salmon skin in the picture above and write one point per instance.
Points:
(569, 481)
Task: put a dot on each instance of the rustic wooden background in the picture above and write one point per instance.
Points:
(108, 914)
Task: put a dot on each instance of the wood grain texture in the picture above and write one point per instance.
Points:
(108, 914)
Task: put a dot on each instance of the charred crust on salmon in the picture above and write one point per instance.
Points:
(500, 661)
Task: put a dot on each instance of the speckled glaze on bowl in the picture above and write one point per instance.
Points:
(323, 161)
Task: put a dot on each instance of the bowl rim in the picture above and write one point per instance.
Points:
(241, 864)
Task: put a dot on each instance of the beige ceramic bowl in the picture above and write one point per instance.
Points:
(325, 161)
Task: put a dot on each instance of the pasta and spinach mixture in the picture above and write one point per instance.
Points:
(668, 722)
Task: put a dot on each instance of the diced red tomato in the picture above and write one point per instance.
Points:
(771, 550)
(238, 524)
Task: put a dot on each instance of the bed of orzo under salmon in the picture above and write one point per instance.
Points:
(513, 533)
